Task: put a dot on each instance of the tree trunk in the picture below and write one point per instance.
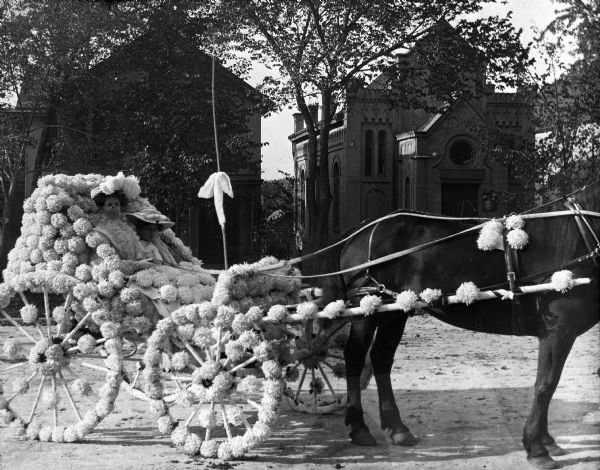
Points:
(44, 148)
(8, 213)
(321, 233)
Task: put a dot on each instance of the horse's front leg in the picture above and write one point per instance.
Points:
(355, 352)
(389, 333)
(552, 354)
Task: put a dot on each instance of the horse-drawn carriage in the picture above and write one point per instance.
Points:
(215, 353)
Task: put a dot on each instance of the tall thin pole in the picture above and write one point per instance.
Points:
(214, 113)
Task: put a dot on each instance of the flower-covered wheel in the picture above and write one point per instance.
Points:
(60, 378)
(213, 379)
(318, 362)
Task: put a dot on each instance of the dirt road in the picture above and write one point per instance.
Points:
(466, 395)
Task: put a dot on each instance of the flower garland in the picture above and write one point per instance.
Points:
(53, 254)
(244, 286)
(212, 381)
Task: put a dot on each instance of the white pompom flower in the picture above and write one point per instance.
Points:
(29, 313)
(307, 310)
(277, 313)
(514, 221)
(562, 281)
(407, 300)
(334, 309)
(209, 449)
(430, 295)
(490, 236)
(168, 293)
(370, 303)
(517, 238)
(467, 293)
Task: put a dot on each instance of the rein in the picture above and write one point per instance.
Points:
(408, 251)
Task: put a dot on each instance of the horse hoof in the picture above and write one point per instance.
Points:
(362, 437)
(404, 438)
(555, 450)
(544, 462)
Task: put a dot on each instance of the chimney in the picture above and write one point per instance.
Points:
(298, 122)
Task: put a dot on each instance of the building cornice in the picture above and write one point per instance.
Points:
(299, 135)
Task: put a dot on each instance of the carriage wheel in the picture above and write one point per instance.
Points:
(217, 391)
(318, 361)
(60, 381)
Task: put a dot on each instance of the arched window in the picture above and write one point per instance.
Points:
(407, 193)
(461, 152)
(336, 197)
(381, 152)
(369, 153)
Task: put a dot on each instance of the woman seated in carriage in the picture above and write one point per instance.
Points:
(148, 252)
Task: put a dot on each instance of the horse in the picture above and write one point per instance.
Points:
(408, 250)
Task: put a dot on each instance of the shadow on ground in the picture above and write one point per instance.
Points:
(452, 424)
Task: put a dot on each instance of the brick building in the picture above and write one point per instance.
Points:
(384, 157)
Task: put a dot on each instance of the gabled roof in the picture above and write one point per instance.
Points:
(428, 124)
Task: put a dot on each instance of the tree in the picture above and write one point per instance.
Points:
(323, 48)
(44, 45)
(150, 107)
(566, 100)
(55, 62)
(276, 227)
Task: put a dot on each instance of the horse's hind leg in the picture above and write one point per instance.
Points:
(389, 334)
(355, 351)
(553, 352)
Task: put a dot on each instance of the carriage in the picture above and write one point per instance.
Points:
(222, 349)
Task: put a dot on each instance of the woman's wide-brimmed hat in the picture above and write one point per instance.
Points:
(126, 185)
(150, 216)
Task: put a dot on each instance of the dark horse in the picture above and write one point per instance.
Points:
(555, 318)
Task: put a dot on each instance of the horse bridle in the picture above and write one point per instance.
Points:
(586, 231)
(511, 258)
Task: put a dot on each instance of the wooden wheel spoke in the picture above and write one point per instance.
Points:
(330, 333)
(70, 396)
(37, 399)
(300, 384)
(246, 422)
(194, 413)
(14, 366)
(226, 423)
(253, 404)
(327, 381)
(191, 349)
(295, 366)
(243, 364)
(39, 330)
(336, 356)
(95, 367)
(47, 311)
(218, 351)
(76, 329)
(55, 403)
(16, 394)
(209, 429)
(19, 327)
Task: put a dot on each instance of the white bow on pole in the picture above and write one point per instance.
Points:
(217, 184)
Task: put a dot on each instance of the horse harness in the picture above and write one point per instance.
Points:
(370, 286)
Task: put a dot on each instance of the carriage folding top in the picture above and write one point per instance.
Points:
(212, 357)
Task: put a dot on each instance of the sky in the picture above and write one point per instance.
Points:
(277, 154)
